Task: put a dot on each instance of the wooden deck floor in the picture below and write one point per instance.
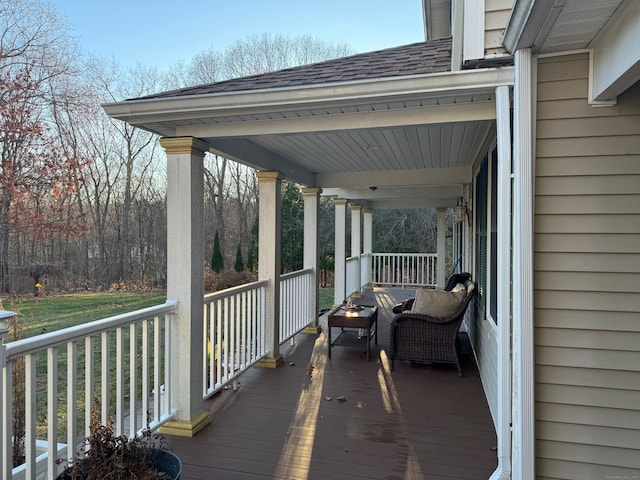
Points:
(348, 419)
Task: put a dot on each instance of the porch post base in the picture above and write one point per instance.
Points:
(312, 329)
(271, 362)
(186, 428)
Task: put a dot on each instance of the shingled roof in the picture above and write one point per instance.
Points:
(414, 59)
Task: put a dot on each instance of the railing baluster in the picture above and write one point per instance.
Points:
(30, 361)
(168, 325)
(119, 381)
(133, 378)
(144, 420)
(89, 387)
(72, 396)
(104, 386)
(52, 409)
(157, 387)
(7, 410)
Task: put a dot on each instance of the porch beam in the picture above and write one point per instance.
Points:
(385, 192)
(340, 252)
(269, 239)
(414, 203)
(311, 255)
(242, 151)
(185, 273)
(426, 177)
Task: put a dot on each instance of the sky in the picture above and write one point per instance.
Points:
(161, 33)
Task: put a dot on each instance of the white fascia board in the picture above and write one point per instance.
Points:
(139, 112)
(473, 41)
(615, 57)
(529, 23)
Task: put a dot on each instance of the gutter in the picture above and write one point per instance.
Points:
(315, 96)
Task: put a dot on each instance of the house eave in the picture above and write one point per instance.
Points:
(139, 112)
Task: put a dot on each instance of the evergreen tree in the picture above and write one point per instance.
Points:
(217, 264)
(252, 253)
(291, 248)
(239, 265)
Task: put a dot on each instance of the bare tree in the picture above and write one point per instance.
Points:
(134, 150)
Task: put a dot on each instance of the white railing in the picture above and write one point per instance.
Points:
(296, 289)
(365, 268)
(353, 276)
(124, 361)
(233, 335)
(404, 269)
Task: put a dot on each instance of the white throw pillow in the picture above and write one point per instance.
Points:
(436, 303)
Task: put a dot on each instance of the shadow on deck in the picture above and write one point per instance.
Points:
(347, 419)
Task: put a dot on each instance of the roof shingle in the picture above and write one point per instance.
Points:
(414, 59)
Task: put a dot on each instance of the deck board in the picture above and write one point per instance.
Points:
(416, 422)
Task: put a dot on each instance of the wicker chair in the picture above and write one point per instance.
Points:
(421, 338)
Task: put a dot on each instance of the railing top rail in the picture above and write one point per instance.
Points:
(60, 337)
(235, 290)
(406, 254)
(297, 273)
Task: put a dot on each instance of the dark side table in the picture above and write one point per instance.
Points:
(350, 321)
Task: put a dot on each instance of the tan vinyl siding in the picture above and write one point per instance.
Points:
(496, 15)
(586, 278)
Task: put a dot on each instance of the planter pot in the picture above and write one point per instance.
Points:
(164, 461)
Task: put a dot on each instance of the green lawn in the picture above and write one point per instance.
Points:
(326, 298)
(46, 314)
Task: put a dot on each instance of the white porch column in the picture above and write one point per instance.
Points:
(311, 256)
(340, 252)
(356, 242)
(367, 240)
(523, 454)
(269, 221)
(441, 272)
(185, 281)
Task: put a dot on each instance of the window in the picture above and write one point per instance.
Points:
(486, 236)
(480, 207)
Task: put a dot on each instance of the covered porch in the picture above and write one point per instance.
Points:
(346, 418)
(393, 129)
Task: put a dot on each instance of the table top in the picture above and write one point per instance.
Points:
(358, 318)
(361, 311)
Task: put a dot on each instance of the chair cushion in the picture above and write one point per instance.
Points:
(437, 303)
